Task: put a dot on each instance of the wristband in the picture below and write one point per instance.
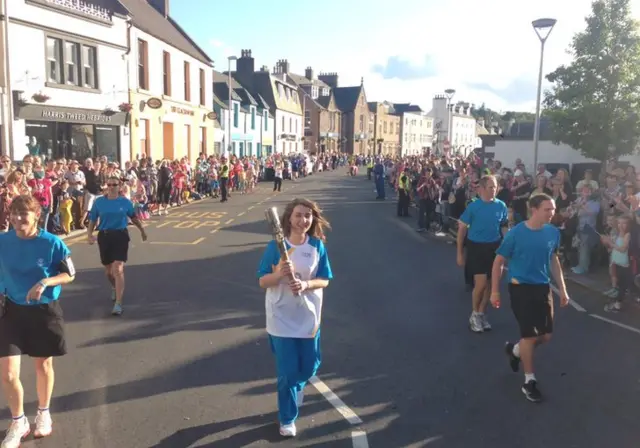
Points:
(41, 283)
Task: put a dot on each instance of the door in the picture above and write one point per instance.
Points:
(241, 152)
(168, 141)
(187, 139)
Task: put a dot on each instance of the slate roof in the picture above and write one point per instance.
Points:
(239, 92)
(402, 108)
(347, 98)
(149, 20)
(304, 81)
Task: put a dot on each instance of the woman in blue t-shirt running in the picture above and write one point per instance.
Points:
(111, 213)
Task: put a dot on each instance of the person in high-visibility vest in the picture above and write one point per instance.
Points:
(404, 192)
(369, 168)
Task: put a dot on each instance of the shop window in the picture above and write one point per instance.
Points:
(106, 141)
(43, 133)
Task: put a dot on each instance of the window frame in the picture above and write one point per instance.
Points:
(61, 65)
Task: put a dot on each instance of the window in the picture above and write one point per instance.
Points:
(266, 120)
(253, 118)
(361, 123)
(166, 72)
(90, 63)
(282, 124)
(143, 65)
(307, 119)
(187, 81)
(203, 96)
(54, 51)
(290, 124)
(236, 115)
(72, 63)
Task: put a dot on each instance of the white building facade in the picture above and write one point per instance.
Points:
(288, 132)
(454, 125)
(416, 130)
(68, 79)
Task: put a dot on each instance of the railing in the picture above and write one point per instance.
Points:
(79, 6)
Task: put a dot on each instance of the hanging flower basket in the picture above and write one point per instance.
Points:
(125, 107)
(22, 102)
(109, 112)
(40, 97)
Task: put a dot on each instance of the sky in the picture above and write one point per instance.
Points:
(404, 50)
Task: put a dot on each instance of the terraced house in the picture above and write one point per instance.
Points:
(67, 73)
(322, 119)
(386, 128)
(170, 80)
(249, 120)
(352, 102)
(280, 96)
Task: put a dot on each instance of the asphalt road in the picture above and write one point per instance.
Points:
(188, 364)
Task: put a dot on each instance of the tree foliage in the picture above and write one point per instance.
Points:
(490, 116)
(594, 102)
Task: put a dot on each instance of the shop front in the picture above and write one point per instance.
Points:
(54, 132)
(165, 129)
(265, 148)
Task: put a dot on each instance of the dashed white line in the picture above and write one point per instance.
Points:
(617, 324)
(241, 214)
(335, 401)
(359, 439)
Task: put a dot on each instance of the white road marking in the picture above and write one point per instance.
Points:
(359, 439)
(241, 214)
(335, 401)
(572, 302)
(617, 324)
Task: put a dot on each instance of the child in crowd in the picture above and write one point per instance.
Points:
(620, 268)
(64, 207)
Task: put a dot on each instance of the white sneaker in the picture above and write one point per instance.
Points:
(486, 326)
(16, 433)
(44, 425)
(300, 397)
(475, 324)
(285, 430)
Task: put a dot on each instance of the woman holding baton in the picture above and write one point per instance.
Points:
(294, 290)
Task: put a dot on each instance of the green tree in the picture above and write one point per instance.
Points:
(594, 102)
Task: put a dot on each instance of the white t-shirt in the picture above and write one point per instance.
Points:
(288, 315)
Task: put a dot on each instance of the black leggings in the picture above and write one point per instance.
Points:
(277, 183)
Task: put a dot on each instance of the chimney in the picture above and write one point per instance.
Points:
(245, 63)
(308, 73)
(331, 79)
(264, 68)
(162, 6)
(283, 66)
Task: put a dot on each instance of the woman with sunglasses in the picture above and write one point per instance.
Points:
(34, 266)
(111, 213)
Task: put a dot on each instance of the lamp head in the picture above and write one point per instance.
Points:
(543, 27)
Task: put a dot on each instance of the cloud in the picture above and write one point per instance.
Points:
(399, 68)
(215, 43)
(519, 90)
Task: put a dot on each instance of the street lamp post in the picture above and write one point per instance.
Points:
(229, 59)
(543, 28)
(449, 93)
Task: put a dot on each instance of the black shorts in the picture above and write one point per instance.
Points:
(480, 257)
(113, 245)
(33, 330)
(533, 307)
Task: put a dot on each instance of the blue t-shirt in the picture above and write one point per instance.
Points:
(113, 213)
(529, 253)
(485, 220)
(24, 262)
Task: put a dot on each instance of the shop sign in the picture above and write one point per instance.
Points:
(212, 115)
(181, 111)
(71, 115)
(154, 103)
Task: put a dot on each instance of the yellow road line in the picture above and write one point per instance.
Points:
(229, 221)
(241, 214)
(251, 207)
(214, 230)
(173, 243)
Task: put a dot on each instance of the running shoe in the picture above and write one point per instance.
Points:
(613, 307)
(16, 433)
(117, 310)
(475, 324)
(514, 361)
(44, 425)
(288, 430)
(486, 326)
(531, 391)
